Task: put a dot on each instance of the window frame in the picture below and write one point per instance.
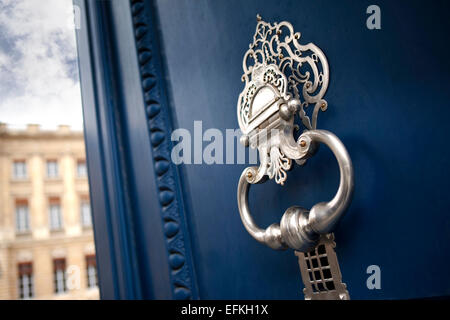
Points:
(86, 222)
(84, 173)
(22, 216)
(53, 203)
(25, 272)
(24, 169)
(59, 276)
(49, 174)
(91, 264)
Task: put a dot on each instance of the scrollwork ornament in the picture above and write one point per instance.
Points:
(282, 78)
(305, 66)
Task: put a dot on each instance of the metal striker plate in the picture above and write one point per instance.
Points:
(320, 272)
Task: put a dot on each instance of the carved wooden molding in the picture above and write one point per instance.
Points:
(160, 127)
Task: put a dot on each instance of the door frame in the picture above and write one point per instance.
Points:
(142, 240)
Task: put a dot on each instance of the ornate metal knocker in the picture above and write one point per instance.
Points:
(284, 78)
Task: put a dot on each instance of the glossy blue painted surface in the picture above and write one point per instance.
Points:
(388, 102)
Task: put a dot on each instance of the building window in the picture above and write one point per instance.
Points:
(59, 275)
(81, 168)
(55, 214)
(22, 216)
(91, 271)
(26, 287)
(52, 169)
(20, 169)
(85, 211)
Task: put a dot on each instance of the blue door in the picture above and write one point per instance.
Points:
(173, 231)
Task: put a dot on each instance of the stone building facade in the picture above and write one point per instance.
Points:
(46, 238)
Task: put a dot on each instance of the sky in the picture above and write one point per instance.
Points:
(38, 64)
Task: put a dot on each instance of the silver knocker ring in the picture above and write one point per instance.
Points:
(299, 228)
(284, 78)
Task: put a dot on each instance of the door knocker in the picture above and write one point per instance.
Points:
(284, 78)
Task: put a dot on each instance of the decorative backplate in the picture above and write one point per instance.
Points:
(282, 77)
(276, 61)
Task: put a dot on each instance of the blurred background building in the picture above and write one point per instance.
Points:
(46, 239)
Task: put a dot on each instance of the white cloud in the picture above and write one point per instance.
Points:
(4, 59)
(37, 64)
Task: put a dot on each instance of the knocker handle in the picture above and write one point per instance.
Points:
(299, 228)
